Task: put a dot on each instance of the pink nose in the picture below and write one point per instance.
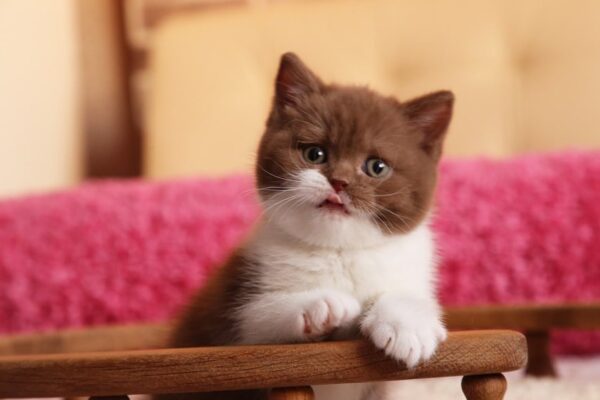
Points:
(338, 185)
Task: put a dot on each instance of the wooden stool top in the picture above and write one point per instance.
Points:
(246, 367)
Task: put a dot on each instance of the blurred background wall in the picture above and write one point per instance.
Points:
(40, 135)
(159, 88)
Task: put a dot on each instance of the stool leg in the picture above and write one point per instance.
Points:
(293, 393)
(540, 361)
(484, 387)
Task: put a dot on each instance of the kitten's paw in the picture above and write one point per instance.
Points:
(329, 310)
(407, 331)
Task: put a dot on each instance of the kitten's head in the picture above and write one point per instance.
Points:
(343, 166)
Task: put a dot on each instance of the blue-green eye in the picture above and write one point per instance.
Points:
(314, 155)
(376, 168)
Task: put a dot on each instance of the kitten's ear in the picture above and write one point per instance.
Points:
(431, 114)
(294, 81)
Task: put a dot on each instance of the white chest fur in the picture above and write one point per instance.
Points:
(402, 264)
(387, 288)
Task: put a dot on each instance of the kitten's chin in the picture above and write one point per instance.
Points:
(325, 227)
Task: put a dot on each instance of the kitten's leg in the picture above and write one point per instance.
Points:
(407, 329)
(292, 317)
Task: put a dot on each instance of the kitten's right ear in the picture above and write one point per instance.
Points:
(294, 81)
(431, 114)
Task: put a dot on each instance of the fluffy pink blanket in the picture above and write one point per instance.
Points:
(523, 230)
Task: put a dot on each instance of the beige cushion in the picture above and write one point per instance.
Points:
(526, 73)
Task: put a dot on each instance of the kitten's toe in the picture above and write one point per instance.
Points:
(428, 344)
(336, 311)
(383, 336)
(315, 318)
(330, 310)
(402, 348)
(421, 341)
(414, 351)
(441, 334)
(343, 309)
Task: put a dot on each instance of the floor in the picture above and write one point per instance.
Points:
(579, 379)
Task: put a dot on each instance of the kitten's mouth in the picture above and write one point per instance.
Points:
(334, 203)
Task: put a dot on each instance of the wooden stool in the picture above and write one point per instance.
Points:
(479, 356)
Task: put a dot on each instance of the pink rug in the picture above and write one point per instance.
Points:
(523, 230)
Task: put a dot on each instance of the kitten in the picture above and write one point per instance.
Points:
(346, 178)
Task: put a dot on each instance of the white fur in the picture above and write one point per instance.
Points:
(405, 328)
(321, 270)
(295, 212)
(296, 316)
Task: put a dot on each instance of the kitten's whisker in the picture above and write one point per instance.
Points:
(273, 210)
(292, 175)
(277, 200)
(390, 194)
(280, 203)
(295, 204)
(402, 219)
(270, 211)
(277, 176)
(380, 219)
(276, 189)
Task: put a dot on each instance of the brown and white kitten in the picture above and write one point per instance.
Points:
(346, 178)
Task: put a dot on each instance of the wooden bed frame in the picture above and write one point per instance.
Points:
(120, 360)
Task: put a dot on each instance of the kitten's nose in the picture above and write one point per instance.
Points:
(338, 185)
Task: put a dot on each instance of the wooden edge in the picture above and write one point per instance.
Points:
(525, 317)
(148, 336)
(246, 367)
(105, 338)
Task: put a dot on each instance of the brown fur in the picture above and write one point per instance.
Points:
(353, 124)
(207, 321)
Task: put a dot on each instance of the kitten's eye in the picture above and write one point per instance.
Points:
(314, 155)
(376, 168)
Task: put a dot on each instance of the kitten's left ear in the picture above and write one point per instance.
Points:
(294, 81)
(431, 114)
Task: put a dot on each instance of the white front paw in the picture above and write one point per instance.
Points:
(327, 310)
(408, 331)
